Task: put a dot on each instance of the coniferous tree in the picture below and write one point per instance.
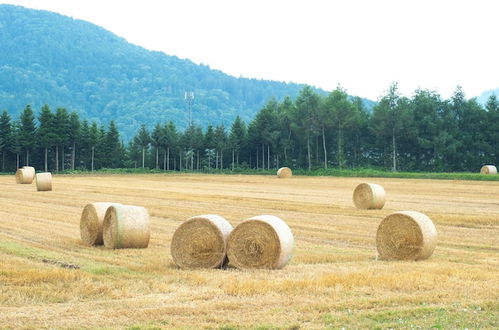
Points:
(61, 128)
(46, 132)
(156, 141)
(5, 136)
(143, 139)
(27, 132)
(237, 139)
(74, 135)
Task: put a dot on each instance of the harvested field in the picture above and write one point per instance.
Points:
(50, 279)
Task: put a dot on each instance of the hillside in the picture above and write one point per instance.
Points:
(47, 58)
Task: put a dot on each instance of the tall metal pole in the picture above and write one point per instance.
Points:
(189, 98)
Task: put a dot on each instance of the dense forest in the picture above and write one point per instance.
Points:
(421, 133)
(47, 58)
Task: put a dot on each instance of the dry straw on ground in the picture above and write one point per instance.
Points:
(126, 226)
(92, 218)
(284, 172)
(488, 169)
(406, 235)
(201, 242)
(369, 196)
(263, 241)
(44, 181)
(25, 175)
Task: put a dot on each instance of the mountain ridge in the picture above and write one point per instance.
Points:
(73, 63)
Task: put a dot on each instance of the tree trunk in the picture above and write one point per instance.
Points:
(308, 153)
(180, 160)
(27, 157)
(168, 159)
(394, 153)
(263, 156)
(93, 155)
(324, 146)
(157, 158)
(216, 161)
(3, 161)
(46, 159)
(257, 158)
(340, 147)
(197, 161)
(232, 159)
(17, 161)
(73, 156)
(268, 156)
(56, 158)
(222, 159)
(143, 156)
(62, 157)
(192, 160)
(164, 160)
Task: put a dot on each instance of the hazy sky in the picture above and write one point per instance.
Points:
(363, 45)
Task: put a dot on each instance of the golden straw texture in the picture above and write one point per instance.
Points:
(284, 172)
(406, 235)
(369, 196)
(201, 242)
(25, 175)
(44, 181)
(488, 169)
(126, 226)
(91, 221)
(263, 241)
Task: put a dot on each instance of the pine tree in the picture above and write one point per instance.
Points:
(46, 132)
(74, 135)
(5, 136)
(27, 132)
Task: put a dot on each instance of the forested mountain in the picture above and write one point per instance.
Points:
(47, 58)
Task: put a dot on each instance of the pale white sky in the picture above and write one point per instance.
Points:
(363, 45)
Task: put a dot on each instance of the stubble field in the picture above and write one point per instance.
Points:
(49, 279)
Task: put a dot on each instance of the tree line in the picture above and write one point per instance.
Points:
(420, 133)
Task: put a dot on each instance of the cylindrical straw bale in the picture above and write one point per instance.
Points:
(44, 181)
(201, 242)
(126, 226)
(406, 235)
(284, 172)
(488, 169)
(91, 221)
(263, 241)
(25, 175)
(369, 196)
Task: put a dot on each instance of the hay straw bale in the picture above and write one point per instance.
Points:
(44, 181)
(406, 235)
(488, 169)
(25, 175)
(91, 221)
(126, 226)
(369, 196)
(264, 241)
(201, 242)
(284, 172)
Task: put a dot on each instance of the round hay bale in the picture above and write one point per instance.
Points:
(284, 172)
(91, 221)
(406, 235)
(264, 241)
(201, 242)
(488, 169)
(126, 226)
(44, 181)
(25, 175)
(369, 196)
